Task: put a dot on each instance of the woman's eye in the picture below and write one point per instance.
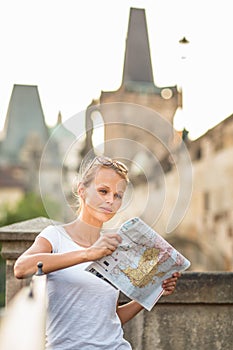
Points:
(103, 191)
(119, 196)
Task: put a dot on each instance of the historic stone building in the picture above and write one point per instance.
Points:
(139, 113)
(205, 231)
(209, 220)
(26, 134)
(22, 147)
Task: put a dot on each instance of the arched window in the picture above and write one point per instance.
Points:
(98, 132)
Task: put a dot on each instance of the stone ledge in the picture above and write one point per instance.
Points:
(25, 230)
(200, 288)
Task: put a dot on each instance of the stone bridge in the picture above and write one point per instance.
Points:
(197, 316)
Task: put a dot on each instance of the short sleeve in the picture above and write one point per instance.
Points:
(51, 233)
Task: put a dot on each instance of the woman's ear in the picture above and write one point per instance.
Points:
(81, 190)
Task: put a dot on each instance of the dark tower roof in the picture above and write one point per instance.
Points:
(24, 117)
(137, 65)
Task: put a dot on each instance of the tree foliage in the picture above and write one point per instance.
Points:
(29, 207)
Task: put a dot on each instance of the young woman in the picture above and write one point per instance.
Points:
(83, 311)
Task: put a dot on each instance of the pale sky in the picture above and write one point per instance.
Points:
(73, 49)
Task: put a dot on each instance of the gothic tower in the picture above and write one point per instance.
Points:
(25, 128)
(26, 135)
(131, 111)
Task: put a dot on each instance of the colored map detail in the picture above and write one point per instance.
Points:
(140, 264)
(147, 268)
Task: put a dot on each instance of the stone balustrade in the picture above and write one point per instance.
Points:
(198, 315)
(15, 239)
(23, 323)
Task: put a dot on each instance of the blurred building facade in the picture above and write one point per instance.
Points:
(22, 147)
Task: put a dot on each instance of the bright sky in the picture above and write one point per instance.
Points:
(74, 49)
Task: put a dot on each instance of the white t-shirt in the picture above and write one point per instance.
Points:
(81, 307)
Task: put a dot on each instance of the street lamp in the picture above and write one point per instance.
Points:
(180, 119)
(183, 42)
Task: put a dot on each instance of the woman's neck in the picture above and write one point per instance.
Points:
(82, 232)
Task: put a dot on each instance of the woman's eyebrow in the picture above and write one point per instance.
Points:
(106, 186)
(103, 185)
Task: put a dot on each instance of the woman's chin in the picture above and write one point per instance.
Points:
(106, 216)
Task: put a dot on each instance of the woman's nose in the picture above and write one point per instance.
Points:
(110, 197)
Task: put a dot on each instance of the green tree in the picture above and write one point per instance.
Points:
(29, 207)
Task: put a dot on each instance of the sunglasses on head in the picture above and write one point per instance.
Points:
(108, 162)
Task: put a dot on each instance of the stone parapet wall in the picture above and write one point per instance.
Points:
(197, 316)
(15, 239)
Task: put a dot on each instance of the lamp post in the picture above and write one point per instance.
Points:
(183, 42)
(181, 117)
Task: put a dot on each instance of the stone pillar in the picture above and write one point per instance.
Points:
(15, 239)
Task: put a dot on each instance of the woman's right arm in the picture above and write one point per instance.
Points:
(41, 251)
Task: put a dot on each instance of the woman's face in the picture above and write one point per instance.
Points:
(103, 197)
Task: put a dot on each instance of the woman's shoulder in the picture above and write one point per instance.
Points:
(51, 232)
(50, 229)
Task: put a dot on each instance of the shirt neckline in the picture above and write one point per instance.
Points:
(69, 237)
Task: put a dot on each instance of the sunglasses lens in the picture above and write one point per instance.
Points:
(109, 162)
(104, 161)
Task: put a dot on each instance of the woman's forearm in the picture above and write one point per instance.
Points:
(127, 311)
(26, 265)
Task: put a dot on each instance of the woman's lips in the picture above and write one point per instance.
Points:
(107, 210)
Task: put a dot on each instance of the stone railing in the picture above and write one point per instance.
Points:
(23, 321)
(198, 315)
(15, 239)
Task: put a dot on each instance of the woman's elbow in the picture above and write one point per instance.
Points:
(19, 270)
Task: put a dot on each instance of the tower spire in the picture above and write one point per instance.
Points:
(137, 64)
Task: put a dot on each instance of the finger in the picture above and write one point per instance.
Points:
(112, 243)
(106, 242)
(169, 283)
(112, 247)
(108, 251)
(171, 279)
(176, 274)
(170, 287)
(114, 235)
(166, 293)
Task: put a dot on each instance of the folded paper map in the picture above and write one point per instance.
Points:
(140, 263)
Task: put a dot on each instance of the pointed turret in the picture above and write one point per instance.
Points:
(24, 118)
(137, 65)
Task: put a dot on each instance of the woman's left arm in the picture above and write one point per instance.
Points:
(127, 311)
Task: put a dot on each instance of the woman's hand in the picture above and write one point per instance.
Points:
(104, 246)
(169, 284)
